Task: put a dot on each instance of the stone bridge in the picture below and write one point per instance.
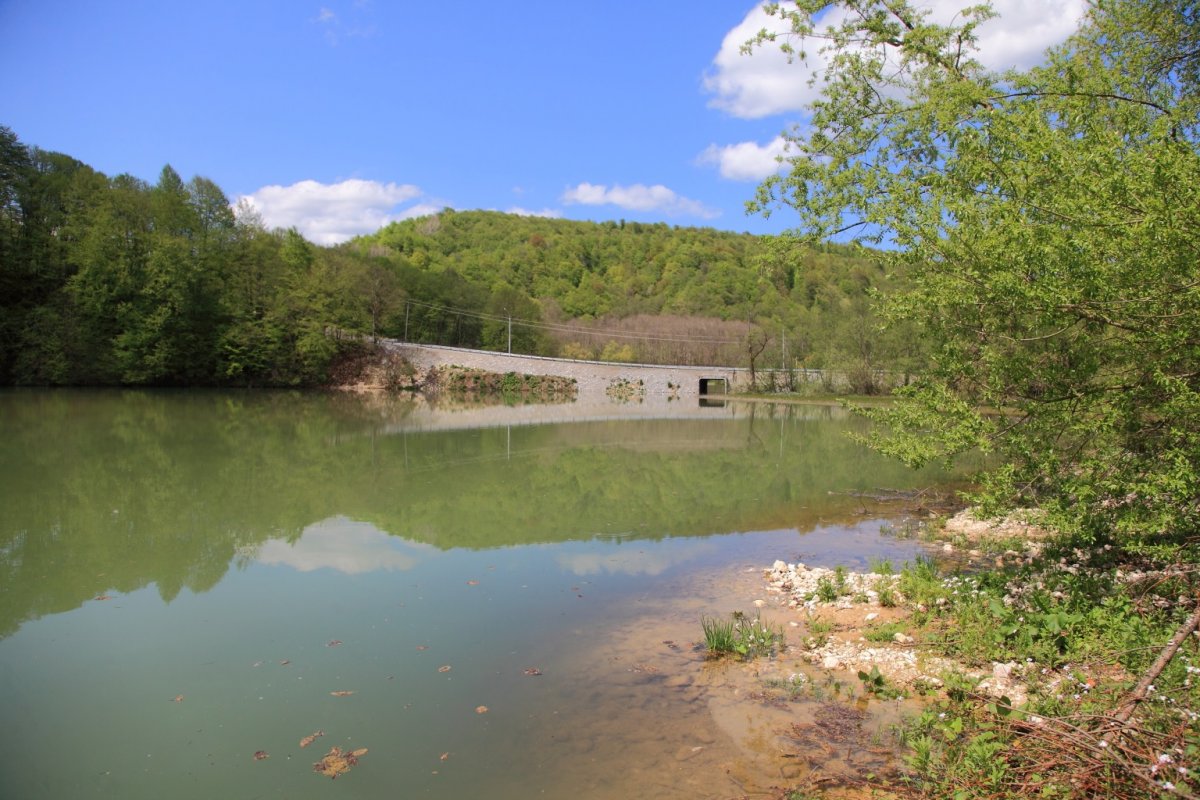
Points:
(594, 378)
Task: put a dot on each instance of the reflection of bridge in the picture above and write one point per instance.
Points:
(594, 378)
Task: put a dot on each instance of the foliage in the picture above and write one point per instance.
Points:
(1050, 221)
(745, 637)
(113, 280)
(875, 683)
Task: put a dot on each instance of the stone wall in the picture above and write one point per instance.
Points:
(594, 378)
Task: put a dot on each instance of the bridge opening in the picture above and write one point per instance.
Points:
(711, 386)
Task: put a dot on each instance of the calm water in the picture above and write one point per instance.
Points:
(186, 578)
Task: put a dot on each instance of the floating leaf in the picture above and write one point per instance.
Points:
(444, 756)
(532, 671)
(285, 662)
(472, 583)
(257, 664)
(259, 755)
(336, 761)
(342, 693)
(444, 668)
(178, 698)
(312, 737)
(481, 709)
(422, 647)
(333, 643)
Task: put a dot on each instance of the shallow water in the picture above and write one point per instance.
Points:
(187, 577)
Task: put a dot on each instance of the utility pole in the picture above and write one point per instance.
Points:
(406, 321)
(510, 334)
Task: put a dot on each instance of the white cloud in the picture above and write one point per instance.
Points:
(548, 213)
(326, 16)
(632, 562)
(765, 83)
(344, 545)
(638, 197)
(746, 161)
(329, 213)
(1025, 29)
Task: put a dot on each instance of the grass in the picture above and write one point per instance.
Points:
(884, 633)
(741, 636)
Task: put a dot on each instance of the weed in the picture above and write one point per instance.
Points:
(819, 632)
(747, 637)
(875, 683)
(719, 635)
(826, 590)
(883, 633)
(880, 566)
(887, 594)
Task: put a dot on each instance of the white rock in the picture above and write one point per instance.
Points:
(831, 662)
(870, 617)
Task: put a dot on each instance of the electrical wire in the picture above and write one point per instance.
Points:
(555, 327)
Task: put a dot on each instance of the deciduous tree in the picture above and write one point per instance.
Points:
(1051, 220)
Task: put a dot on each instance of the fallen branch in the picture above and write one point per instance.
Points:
(1126, 709)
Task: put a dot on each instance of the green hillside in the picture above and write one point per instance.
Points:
(112, 280)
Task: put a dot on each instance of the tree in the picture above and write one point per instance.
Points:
(1050, 219)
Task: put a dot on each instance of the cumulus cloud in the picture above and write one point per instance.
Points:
(632, 562)
(638, 197)
(765, 83)
(344, 545)
(548, 213)
(746, 161)
(329, 213)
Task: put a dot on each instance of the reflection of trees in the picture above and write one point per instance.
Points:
(116, 490)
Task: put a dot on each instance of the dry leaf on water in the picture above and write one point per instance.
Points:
(312, 737)
(532, 671)
(444, 668)
(333, 643)
(285, 662)
(103, 597)
(259, 755)
(337, 761)
(422, 647)
(342, 693)
(472, 583)
(178, 698)
(445, 756)
(481, 709)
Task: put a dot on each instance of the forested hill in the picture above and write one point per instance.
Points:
(622, 268)
(113, 280)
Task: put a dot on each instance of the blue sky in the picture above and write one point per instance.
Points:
(338, 116)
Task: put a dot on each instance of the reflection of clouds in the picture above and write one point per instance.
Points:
(632, 562)
(345, 545)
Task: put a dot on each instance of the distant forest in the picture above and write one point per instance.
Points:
(115, 281)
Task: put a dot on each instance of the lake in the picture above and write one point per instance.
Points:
(500, 602)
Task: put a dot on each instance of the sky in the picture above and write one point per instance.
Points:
(339, 116)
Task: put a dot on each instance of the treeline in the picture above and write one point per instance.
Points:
(630, 291)
(115, 281)
(112, 280)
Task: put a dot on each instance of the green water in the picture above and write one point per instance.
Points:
(211, 546)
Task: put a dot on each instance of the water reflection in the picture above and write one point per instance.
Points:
(186, 578)
(632, 561)
(341, 544)
(112, 491)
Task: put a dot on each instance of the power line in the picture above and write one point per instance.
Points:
(551, 326)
